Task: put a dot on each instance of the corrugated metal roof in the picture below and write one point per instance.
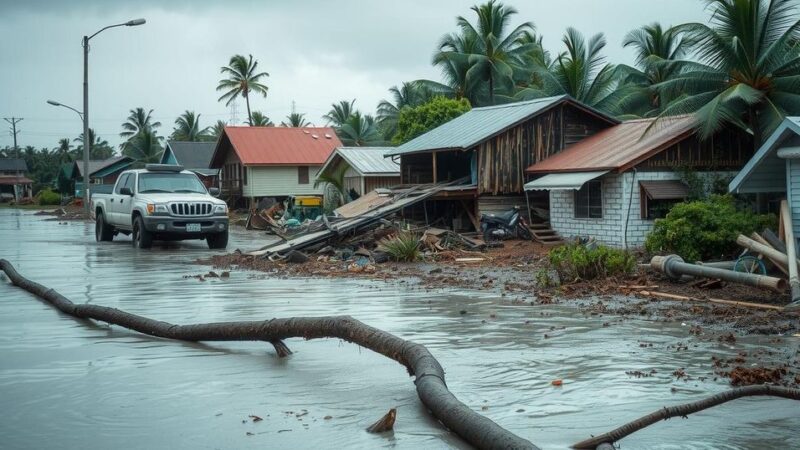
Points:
(192, 155)
(369, 160)
(479, 124)
(278, 145)
(665, 189)
(563, 181)
(13, 164)
(618, 147)
(96, 165)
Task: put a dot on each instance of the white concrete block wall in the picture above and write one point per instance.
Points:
(618, 201)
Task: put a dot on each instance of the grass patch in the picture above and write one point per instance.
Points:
(587, 262)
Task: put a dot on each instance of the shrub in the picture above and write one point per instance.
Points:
(704, 229)
(580, 261)
(413, 122)
(404, 246)
(48, 197)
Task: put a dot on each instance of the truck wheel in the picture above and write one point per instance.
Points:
(141, 237)
(217, 240)
(103, 232)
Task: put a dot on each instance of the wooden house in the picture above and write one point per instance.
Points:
(14, 184)
(490, 148)
(365, 168)
(276, 162)
(103, 173)
(613, 185)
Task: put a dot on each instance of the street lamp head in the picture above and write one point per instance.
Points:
(53, 102)
(135, 22)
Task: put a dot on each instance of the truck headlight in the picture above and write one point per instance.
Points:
(220, 209)
(157, 208)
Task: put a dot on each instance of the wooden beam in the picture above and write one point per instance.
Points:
(433, 154)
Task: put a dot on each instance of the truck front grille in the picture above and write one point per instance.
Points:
(190, 209)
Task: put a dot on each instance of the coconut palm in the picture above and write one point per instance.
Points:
(216, 131)
(747, 74)
(359, 131)
(451, 58)
(187, 128)
(580, 72)
(63, 152)
(145, 147)
(258, 119)
(296, 120)
(409, 94)
(242, 79)
(340, 112)
(655, 48)
(138, 120)
(98, 149)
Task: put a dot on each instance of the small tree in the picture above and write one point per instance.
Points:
(416, 121)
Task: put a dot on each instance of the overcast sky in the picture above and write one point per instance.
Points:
(316, 52)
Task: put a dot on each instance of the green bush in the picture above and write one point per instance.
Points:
(402, 247)
(415, 121)
(580, 261)
(48, 197)
(704, 229)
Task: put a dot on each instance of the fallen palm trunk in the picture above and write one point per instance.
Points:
(431, 388)
(686, 409)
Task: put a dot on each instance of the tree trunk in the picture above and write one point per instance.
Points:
(491, 88)
(474, 428)
(249, 115)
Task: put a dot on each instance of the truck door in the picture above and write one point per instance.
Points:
(124, 204)
(113, 202)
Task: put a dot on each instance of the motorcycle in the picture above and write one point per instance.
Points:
(506, 225)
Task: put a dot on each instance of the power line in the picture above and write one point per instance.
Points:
(14, 121)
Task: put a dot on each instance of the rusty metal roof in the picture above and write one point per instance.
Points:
(306, 146)
(665, 189)
(619, 147)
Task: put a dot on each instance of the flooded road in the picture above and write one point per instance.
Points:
(68, 385)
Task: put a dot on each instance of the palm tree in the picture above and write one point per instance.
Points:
(64, 151)
(747, 74)
(258, 119)
(187, 128)
(408, 95)
(145, 147)
(340, 112)
(336, 194)
(216, 131)
(138, 120)
(655, 48)
(580, 72)
(242, 79)
(451, 58)
(296, 120)
(98, 149)
(359, 130)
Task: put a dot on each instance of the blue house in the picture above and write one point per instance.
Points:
(775, 168)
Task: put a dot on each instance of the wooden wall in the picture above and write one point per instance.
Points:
(727, 150)
(416, 168)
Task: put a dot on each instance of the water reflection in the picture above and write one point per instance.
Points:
(101, 386)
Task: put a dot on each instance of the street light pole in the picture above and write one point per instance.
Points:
(86, 141)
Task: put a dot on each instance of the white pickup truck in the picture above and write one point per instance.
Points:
(161, 202)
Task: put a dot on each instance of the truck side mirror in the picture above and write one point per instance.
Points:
(214, 191)
(126, 191)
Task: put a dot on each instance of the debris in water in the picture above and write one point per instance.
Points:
(557, 382)
(386, 423)
(328, 417)
(255, 418)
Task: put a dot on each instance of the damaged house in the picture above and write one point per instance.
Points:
(485, 152)
(613, 185)
(365, 168)
(276, 162)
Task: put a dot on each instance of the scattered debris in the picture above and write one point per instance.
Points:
(386, 423)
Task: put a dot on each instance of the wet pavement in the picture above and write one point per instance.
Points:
(67, 384)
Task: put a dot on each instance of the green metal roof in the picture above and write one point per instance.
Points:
(480, 124)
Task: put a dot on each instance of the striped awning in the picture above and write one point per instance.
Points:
(665, 189)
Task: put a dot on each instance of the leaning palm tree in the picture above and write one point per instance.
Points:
(138, 120)
(497, 51)
(747, 74)
(359, 131)
(258, 119)
(340, 112)
(145, 147)
(580, 72)
(296, 120)
(187, 128)
(242, 79)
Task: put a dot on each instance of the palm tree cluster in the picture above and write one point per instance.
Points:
(142, 142)
(742, 68)
(353, 127)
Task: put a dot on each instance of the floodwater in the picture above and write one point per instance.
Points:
(67, 384)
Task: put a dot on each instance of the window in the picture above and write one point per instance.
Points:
(122, 180)
(186, 183)
(656, 198)
(589, 200)
(302, 174)
(130, 181)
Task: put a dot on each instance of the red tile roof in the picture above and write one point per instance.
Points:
(619, 147)
(277, 145)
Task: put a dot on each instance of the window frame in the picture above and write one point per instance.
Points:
(576, 193)
(303, 173)
(123, 179)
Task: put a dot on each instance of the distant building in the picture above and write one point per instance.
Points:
(14, 184)
(365, 168)
(775, 169)
(193, 156)
(278, 162)
(613, 185)
(103, 173)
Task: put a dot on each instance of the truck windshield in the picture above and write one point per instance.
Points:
(170, 182)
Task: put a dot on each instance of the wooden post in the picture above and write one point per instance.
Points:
(434, 167)
(791, 253)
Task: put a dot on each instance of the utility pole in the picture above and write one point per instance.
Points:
(14, 121)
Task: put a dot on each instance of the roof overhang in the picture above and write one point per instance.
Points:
(785, 129)
(563, 181)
